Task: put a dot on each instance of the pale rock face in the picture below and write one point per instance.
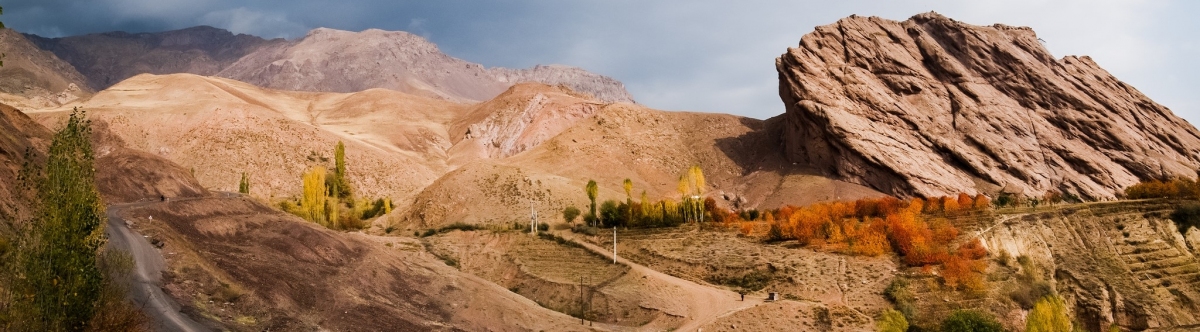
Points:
(932, 106)
(343, 61)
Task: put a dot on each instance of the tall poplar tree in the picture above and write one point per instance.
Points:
(592, 190)
(60, 282)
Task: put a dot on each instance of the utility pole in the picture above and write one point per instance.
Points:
(533, 219)
(614, 244)
(581, 300)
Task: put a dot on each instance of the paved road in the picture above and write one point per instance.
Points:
(147, 284)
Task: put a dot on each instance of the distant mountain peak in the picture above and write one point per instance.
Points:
(325, 59)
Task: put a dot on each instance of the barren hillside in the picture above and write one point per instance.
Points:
(109, 58)
(343, 61)
(35, 78)
(219, 128)
(21, 141)
(325, 60)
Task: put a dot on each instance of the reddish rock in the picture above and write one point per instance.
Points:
(931, 106)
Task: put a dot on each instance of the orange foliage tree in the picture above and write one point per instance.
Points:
(872, 227)
(982, 202)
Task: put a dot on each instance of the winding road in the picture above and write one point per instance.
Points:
(146, 289)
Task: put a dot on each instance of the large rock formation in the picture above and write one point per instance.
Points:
(325, 60)
(932, 106)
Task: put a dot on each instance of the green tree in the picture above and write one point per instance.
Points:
(592, 190)
(609, 213)
(570, 213)
(60, 281)
(337, 185)
(339, 160)
(244, 185)
(970, 321)
(1048, 315)
(892, 321)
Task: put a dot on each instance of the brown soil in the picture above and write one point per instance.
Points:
(226, 259)
(718, 257)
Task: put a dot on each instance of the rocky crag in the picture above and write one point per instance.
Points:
(931, 106)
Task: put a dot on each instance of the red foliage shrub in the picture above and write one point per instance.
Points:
(972, 250)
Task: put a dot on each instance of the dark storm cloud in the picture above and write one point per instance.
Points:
(704, 55)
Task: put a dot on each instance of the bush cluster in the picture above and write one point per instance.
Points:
(872, 227)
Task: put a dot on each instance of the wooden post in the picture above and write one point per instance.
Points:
(614, 244)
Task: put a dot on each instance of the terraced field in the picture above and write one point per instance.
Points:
(549, 273)
(849, 288)
(1120, 263)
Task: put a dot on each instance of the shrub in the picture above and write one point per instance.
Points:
(1186, 216)
(971, 321)
(1048, 315)
(570, 213)
(610, 215)
(1005, 199)
(244, 184)
(754, 280)
(1026, 293)
(1173, 188)
(892, 321)
(965, 201)
(898, 293)
(982, 202)
(586, 230)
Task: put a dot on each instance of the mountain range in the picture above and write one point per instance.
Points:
(921, 108)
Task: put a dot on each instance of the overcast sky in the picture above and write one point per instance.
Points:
(697, 55)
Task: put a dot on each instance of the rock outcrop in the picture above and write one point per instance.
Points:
(931, 106)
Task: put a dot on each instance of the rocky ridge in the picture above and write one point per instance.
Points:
(931, 106)
(325, 60)
(111, 57)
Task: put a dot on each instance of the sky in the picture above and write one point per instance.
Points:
(697, 55)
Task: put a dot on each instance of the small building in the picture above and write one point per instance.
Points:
(772, 296)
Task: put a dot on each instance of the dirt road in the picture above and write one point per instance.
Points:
(705, 303)
(147, 284)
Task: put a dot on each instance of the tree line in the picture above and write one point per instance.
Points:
(644, 212)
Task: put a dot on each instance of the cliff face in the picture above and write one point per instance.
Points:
(931, 106)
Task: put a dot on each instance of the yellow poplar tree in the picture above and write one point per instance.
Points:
(1048, 315)
(313, 201)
